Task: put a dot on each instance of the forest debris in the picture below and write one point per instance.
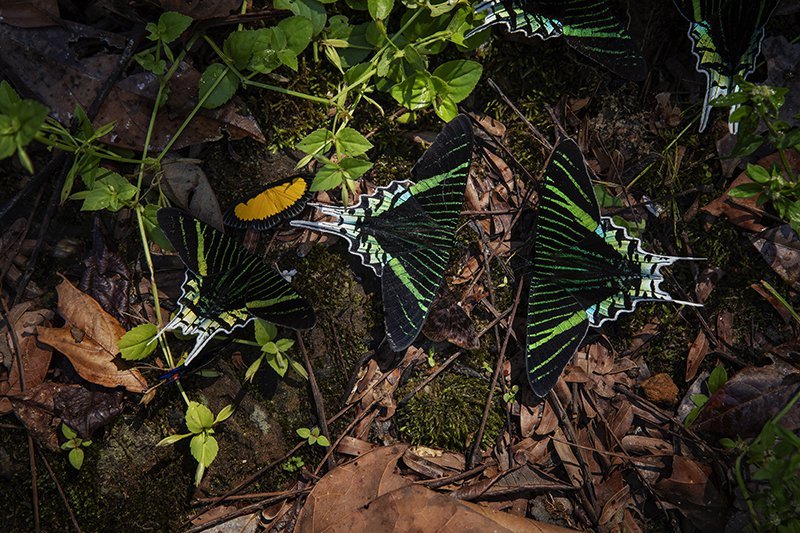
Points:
(568, 459)
(447, 321)
(354, 447)
(749, 399)
(660, 389)
(650, 446)
(706, 282)
(202, 10)
(45, 63)
(29, 13)
(780, 248)
(85, 410)
(433, 463)
(35, 357)
(36, 410)
(774, 302)
(187, 186)
(107, 279)
(697, 352)
(691, 491)
(89, 340)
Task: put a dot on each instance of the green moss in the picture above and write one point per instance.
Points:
(447, 413)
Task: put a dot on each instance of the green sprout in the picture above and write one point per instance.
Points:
(274, 351)
(313, 436)
(75, 445)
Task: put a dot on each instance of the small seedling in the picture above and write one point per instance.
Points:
(511, 395)
(313, 436)
(716, 380)
(294, 464)
(274, 351)
(75, 445)
(200, 422)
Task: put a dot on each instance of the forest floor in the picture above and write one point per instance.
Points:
(438, 437)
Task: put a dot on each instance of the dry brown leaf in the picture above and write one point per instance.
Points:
(613, 510)
(706, 281)
(354, 447)
(691, 491)
(29, 13)
(35, 357)
(185, 183)
(433, 463)
(568, 459)
(641, 445)
(780, 248)
(36, 410)
(89, 340)
(697, 352)
(202, 10)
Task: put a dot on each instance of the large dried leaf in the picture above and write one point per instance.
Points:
(89, 340)
(47, 63)
(35, 357)
(780, 248)
(36, 410)
(86, 411)
(749, 399)
(697, 352)
(691, 489)
(369, 494)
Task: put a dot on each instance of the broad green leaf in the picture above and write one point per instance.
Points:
(746, 190)
(265, 331)
(322, 440)
(300, 369)
(729, 99)
(224, 414)
(112, 192)
(170, 26)
(239, 46)
(415, 92)
(308, 9)
(461, 77)
(352, 45)
(204, 449)
(446, 108)
(270, 348)
(284, 345)
(68, 432)
(151, 227)
(318, 141)
(354, 167)
(328, 177)
(76, 458)
(357, 75)
(380, 9)
(758, 173)
(350, 142)
(298, 31)
(304, 432)
(139, 342)
(172, 439)
(8, 98)
(198, 417)
(219, 92)
(278, 363)
(288, 58)
(717, 378)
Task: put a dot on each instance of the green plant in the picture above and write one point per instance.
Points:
(20, 122)
(274, 351)
(431, 358)
(169, 27)
(293, 464)
(200, 422)
(313, 436)
(75, 445)
(511, 394)
(716, 379)
(755, 106)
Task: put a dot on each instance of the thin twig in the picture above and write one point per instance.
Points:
(246, 510)
(60, 492)
(319, 402)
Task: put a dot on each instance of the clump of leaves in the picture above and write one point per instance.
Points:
(716, 379)
(314, 436)
(200, 422)
(75, 445)
(169, 27)
(274, 351)
(293, 464)
(20, 122)
(511, 394)
(755, 107)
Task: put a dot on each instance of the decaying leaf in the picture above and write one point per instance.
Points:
(44, 61)
(780, 248)
(447, 321)
(697, 352)
(107, 279)
(36, 410)
(85, 410)
(369, 494)
(691, 489)
(89, 340)
(35, 357)
(29, 13)
(749, 399)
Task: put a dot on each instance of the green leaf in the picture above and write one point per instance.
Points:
(380, 9)
(758, 173)
(727, 443)
(76, 458)
(172, 439)
(204, 449)
(298, 31)
(171, 25)
(446, 108)
(350, 40)
(139, 342)
(112, 192)
(717, 378)
(68, 432)
(147, 60)
(198, 417)
(328, 177)
(730, 99)
(308, 9)
(279, 364)
(322, 440)
(284, 344)
(461, 77)
(355, 168)
(253, 369)
(288, 58)
(746, 190)
(318, 141)
(239, 46)
(300, 369)
(415, 92)
(350, 142)
(265, 331)
(151, 227)
(270, 348)
(224, 414)
(224, 89)
(699, 400)
(304, 432)
(9, 99)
